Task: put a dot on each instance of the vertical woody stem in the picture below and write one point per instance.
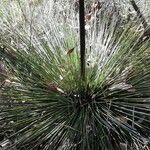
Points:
(82, 38)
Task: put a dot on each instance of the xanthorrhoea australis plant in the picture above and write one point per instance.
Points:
(46, 104)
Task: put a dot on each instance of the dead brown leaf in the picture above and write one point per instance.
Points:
(70, 51)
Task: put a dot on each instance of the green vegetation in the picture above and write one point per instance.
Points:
(45, 104)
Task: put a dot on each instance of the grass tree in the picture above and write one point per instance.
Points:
(64, 87)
